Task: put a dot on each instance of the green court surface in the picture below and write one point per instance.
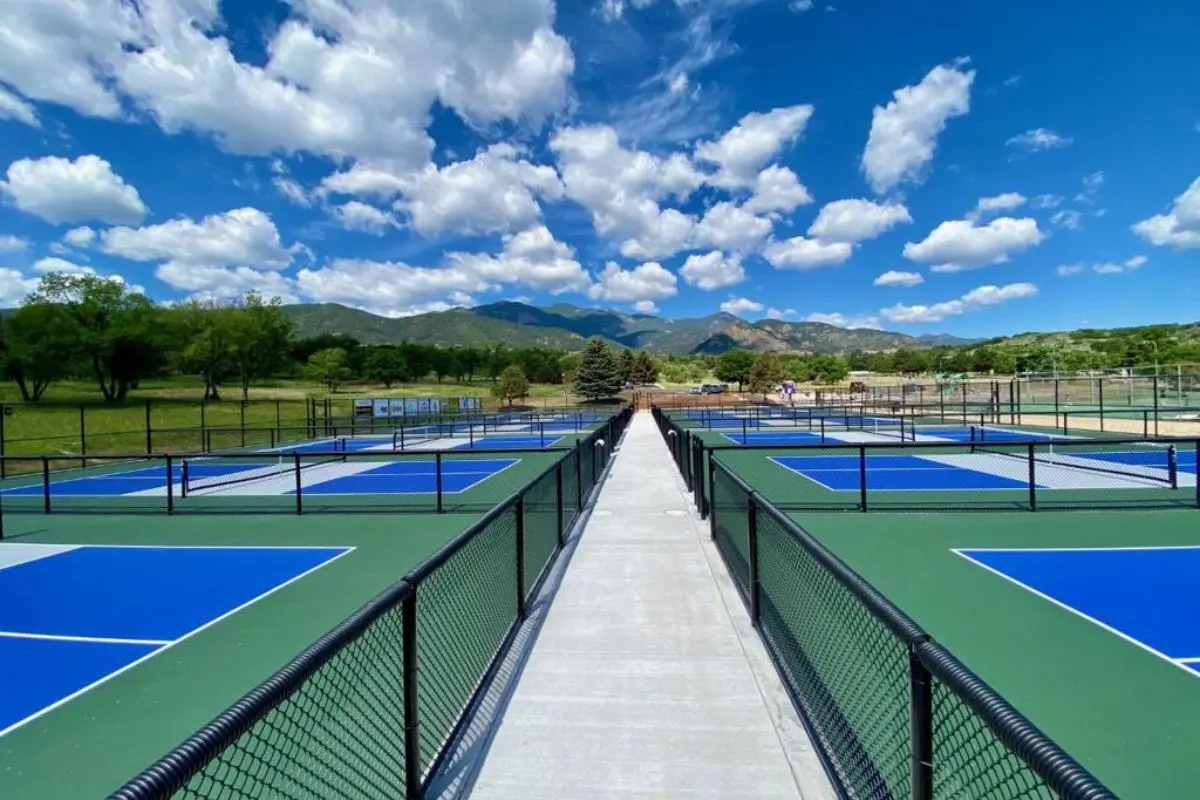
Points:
(92, 744)
(1125, 714)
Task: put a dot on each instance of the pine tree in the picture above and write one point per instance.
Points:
(765, 375)
(645, 370)
(627, 363)
(599, 374)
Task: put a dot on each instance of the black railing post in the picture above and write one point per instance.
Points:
(3, 463)
(920, 728)
(519, 509)
(170, 487)
(1101, 393)
(299, 491)
(712, 496)
(558, 503)
(82, 436)
(862, 479)
(752, 552)
(149, 430)
(242, 421)
(437, 477)
(1032, 477)
(46, 484)
(1197, 461)
(412, 702)
(203, 426)
(579, 476)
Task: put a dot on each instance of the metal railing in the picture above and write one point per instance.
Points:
(374, 707)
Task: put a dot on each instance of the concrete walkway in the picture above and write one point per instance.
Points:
(645, 679)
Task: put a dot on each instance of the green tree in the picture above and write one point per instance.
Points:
(645, 370)
(734, 367)
(385, 365)
(598, 375)
(261, 339)
(330, 367)
(626, 362)
(205, 334)
(765, 374)
(119, 334)
(512, 385)
(37, 347)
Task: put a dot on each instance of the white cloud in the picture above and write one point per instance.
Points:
(12, 244)
(533, 258)
(354, 78)
(1037, 139)
(356, 216)
(649, 281)
(241, 237)
(712, 270)
(1179, 227)
(904, 133)
(839, 320)
(895, 278)
(80, 237)
(1047, 201)
(293, 191)
(776, 313)
(60, 191)
(1068, 218)
(777, 189)
(856, 220)
(990, 205)
(392, 289)
(44, 265)
(1068, 269)
(742, 152)
(1117, 268)
(740, 305)
(800, 6)
(957, 245)
(13, 107)
(14, 287)
(800, 253)
(980, 297)
(726, 226)
(645, 307)
(216, 282)
(622, 189)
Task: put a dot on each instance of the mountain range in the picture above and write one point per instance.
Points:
(567, 327)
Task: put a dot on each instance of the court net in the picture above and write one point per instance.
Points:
(217, 472)
(1147, 461)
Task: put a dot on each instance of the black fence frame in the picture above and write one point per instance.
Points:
(173, 771)
(928, 664)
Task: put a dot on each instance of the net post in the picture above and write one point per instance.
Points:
(183, 479)
(542, 435)
(1172, 466)
(752, 556)
(82, 436)
(920, 684)
(46, 484)
(296, 472)
(822, 429)
(170, 487)
(1065, 427)
(519, 510)
(862, 478)
(558, 502)
(1032, 477)
(411, 689)
(1101, 387)
(437, 478)
(745, 441)
(149, 432)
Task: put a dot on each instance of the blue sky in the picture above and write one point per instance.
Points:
(923, 167)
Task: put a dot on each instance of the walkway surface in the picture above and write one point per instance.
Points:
(646, 679)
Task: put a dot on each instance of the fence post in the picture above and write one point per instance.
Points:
(170, 487)
(46, 484)
(437, 477)
(149, 432)
(862, 479)
(296, 468)
(1198, 481)
(1032, 478)
(412, 703)
(558, 502)
(920, 727)
(203, 426)
(3, 463)
(712, 497)
(82, 436)
(752, 550)
(520, 511)
(1101, 383)
(579, 476)
(242, 421)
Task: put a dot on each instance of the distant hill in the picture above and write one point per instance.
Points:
(946, 340)
(568, 327)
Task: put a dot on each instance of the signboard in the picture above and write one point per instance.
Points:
(364, 408)
(469, 404)
(395, 408)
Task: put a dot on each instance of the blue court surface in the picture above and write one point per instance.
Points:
(401, 476)
(73, 617)
(775, 438)
(899, 473)
(518, 442)
(1146, 595)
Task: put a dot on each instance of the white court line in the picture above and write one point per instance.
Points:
(1080, 549)
(61, 701)
(55, 637)
(1137, 643)
(1189, 660)
(331, 548)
